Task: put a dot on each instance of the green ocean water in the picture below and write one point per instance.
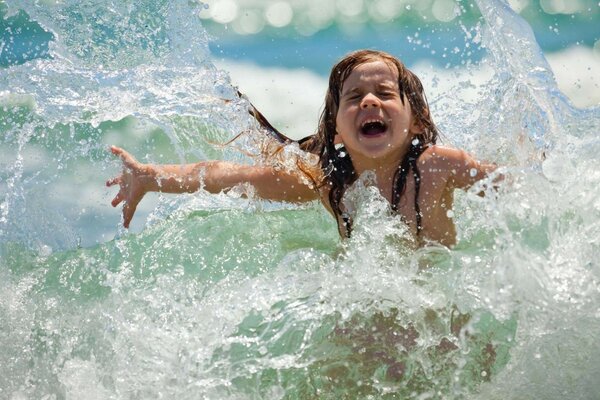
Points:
(223, 297)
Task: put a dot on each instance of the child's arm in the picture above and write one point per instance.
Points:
(138, 179)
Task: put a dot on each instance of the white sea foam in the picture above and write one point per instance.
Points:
(225, 300)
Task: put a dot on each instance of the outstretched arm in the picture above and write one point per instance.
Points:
(137, 179)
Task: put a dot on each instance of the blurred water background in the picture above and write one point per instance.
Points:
(222, 297)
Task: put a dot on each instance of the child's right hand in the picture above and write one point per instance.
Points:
(134, 182)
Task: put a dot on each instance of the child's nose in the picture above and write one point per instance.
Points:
(370, 100)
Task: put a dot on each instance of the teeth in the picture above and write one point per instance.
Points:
(370, 121)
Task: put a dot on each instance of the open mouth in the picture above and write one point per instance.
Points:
(373, 127)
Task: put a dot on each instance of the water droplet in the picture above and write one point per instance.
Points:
(473, 172)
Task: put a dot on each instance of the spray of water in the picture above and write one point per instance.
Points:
(226, 297)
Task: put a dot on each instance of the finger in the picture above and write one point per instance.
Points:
(127, 158)
(114, 181)
(118, 198)
(128, 211)
(116, 150)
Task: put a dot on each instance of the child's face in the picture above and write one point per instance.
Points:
(372, 121)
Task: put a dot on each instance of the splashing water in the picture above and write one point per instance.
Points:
(225, 297)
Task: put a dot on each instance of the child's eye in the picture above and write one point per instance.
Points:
(387, 94)
(352, 97)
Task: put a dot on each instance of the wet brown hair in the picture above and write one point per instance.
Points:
(336, 165)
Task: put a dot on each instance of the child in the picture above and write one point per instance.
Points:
(375, 108)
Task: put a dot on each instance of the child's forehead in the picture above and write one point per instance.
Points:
(373, 71)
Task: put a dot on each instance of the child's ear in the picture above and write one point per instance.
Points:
(337, 139)
(417, 125)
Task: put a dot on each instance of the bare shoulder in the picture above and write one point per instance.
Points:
(444, 155)
(461, 168)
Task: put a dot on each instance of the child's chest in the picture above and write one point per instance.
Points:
(431, 199)
(434, 201)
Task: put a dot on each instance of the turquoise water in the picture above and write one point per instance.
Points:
(223, 297)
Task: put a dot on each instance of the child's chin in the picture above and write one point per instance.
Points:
(376, 152)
